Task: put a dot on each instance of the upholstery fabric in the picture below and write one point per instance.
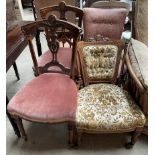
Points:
(106, 22)
(100, 60)
(47, 98)
(11, 20)
(141, 21)
(63, 56)
(138, 54)
(107, 108)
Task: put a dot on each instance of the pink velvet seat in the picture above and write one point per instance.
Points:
(64, 57)
(47, 98)
(51, 97)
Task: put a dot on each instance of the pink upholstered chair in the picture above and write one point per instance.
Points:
(106, 19)
(50, 97)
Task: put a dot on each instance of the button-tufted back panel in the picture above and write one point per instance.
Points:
(100, 61)
(107, 22)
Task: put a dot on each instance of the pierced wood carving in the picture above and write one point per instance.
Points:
(55, 31)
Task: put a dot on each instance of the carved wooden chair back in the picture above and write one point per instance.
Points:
(51, 26)
(38, 4)
(62, 10)
(100, 60)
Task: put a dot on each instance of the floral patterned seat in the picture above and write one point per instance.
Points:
(107, 108)
(103, 106)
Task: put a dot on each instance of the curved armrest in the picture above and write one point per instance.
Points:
(132, 74)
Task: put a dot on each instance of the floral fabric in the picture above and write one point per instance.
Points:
(100, 60)
(106, 107)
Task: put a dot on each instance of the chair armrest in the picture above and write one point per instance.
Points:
(132, 74)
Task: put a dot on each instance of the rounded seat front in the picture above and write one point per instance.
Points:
(107, 108)
(47, 98)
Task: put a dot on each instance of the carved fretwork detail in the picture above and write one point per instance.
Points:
(62, 6)
(56, 31)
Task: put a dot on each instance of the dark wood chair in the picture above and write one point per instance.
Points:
(63, 12)
(103, 106)
(138, 58)
(51, 96)
(15, 44)
(38, 4)
(137, 62)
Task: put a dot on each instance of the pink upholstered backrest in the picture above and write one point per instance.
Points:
(108, 22)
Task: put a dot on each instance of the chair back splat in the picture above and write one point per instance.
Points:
(62, 10)
(55, 32)
(39, 4)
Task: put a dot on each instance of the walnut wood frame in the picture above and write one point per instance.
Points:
(53, 38)
(62, 8)
(50, 25)
(137, 89)
(121, 46)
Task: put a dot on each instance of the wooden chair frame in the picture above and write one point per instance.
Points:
(121, 45)
(62, 8)
(51, 25)
(137, 89)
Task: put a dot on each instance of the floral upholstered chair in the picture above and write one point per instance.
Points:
(104, 107)
(51, 97)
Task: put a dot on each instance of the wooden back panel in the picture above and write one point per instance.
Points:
(53, 37)
(38, 4)
(62, 10)
(100, 60)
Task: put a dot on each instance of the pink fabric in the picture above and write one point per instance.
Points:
(47, 98)
(106, 22)
(64, 57)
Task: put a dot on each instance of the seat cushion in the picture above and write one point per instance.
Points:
(107, 108)
(47, 98)
(64, 57)
(106, 22)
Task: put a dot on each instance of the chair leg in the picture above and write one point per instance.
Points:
(14, 125)
(134, 138)
(21, 127)
(38, 43)
(16, 70)
(12, 121)
(70, 134)
(76, 137)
